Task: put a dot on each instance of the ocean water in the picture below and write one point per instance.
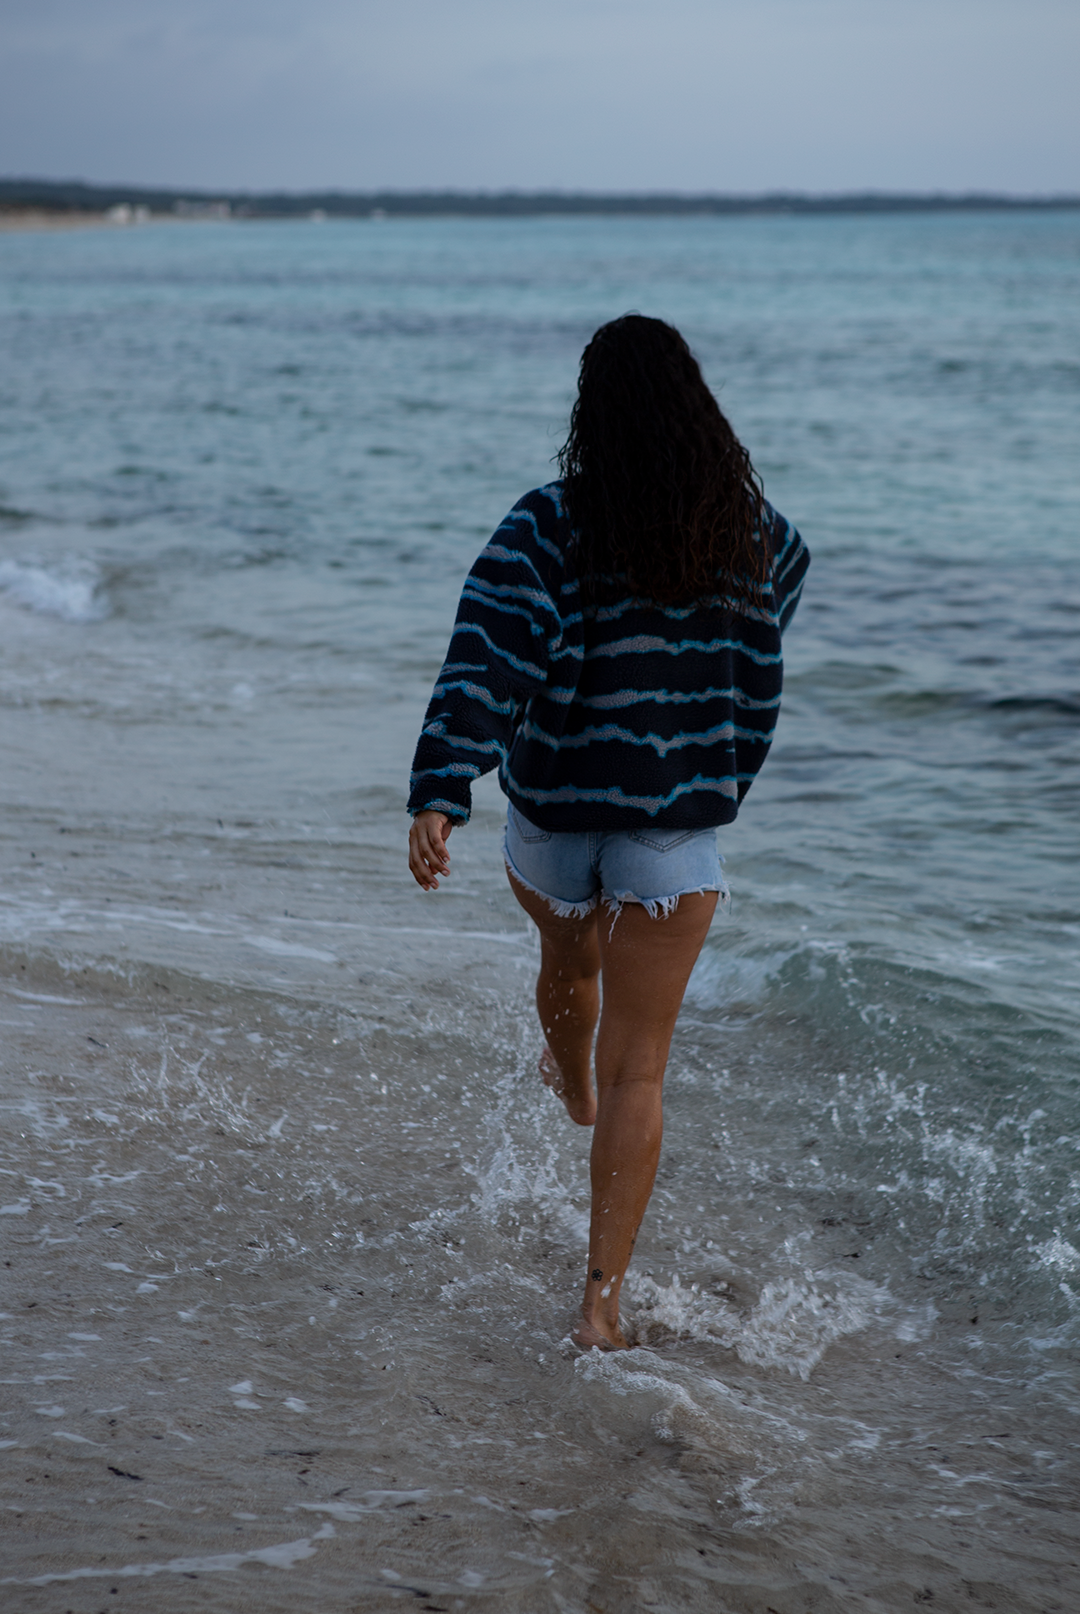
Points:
(293, 1235)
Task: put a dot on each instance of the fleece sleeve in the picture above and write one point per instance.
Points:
(506, 628)
(791, 559)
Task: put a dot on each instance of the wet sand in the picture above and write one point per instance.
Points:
(246, 1358)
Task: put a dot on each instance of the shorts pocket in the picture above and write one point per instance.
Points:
(665, 840)
(529, 833)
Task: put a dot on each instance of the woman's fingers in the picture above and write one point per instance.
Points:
(428, 856)
(420, 870)
(420, 861)
(432, 830)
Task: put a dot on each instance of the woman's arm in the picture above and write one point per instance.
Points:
(499, 654)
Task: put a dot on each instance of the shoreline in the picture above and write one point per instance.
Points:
(16, 220)
(238, 1343)
(41, 219)
(46, 204)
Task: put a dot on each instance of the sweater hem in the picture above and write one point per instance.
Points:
(575, 817)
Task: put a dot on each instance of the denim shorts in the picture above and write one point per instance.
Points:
(573, 869)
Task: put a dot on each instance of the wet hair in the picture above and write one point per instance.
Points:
(661, 495)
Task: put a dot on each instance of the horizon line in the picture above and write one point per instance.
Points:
(76, 195)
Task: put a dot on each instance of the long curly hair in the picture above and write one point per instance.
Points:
(661, 495)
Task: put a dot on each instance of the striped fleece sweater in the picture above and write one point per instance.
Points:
(621, 717)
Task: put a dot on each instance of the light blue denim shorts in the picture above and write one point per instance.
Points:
(573, 869)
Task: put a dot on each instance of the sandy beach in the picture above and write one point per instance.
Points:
(39, 219)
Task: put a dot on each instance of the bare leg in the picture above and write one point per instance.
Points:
(567, 1001)
(646, 965)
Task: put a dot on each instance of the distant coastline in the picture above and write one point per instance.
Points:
(30, 203)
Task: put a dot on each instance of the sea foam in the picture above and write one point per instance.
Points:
(74, 593)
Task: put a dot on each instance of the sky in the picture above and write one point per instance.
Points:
(623, 95)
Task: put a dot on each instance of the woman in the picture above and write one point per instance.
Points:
(617, 655)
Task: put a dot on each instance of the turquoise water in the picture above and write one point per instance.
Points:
(243, 470)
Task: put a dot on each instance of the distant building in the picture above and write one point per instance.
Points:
(124, 213)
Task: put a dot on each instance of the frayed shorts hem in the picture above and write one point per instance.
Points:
(561, 910)
(660, 907)
(614, 901)
(651, 867)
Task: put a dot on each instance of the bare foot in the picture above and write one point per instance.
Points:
(592, 1338)
(580, 1107)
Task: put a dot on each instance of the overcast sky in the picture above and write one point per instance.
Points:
(729, 95)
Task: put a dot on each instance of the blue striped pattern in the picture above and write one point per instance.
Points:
(621, 717)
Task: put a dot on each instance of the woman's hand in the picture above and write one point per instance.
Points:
(427, 848)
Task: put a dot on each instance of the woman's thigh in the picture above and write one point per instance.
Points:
(568, 942)
(645, 965)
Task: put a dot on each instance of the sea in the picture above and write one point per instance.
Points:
(316, 1231)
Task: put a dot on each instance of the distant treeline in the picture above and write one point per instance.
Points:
(74, 196)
